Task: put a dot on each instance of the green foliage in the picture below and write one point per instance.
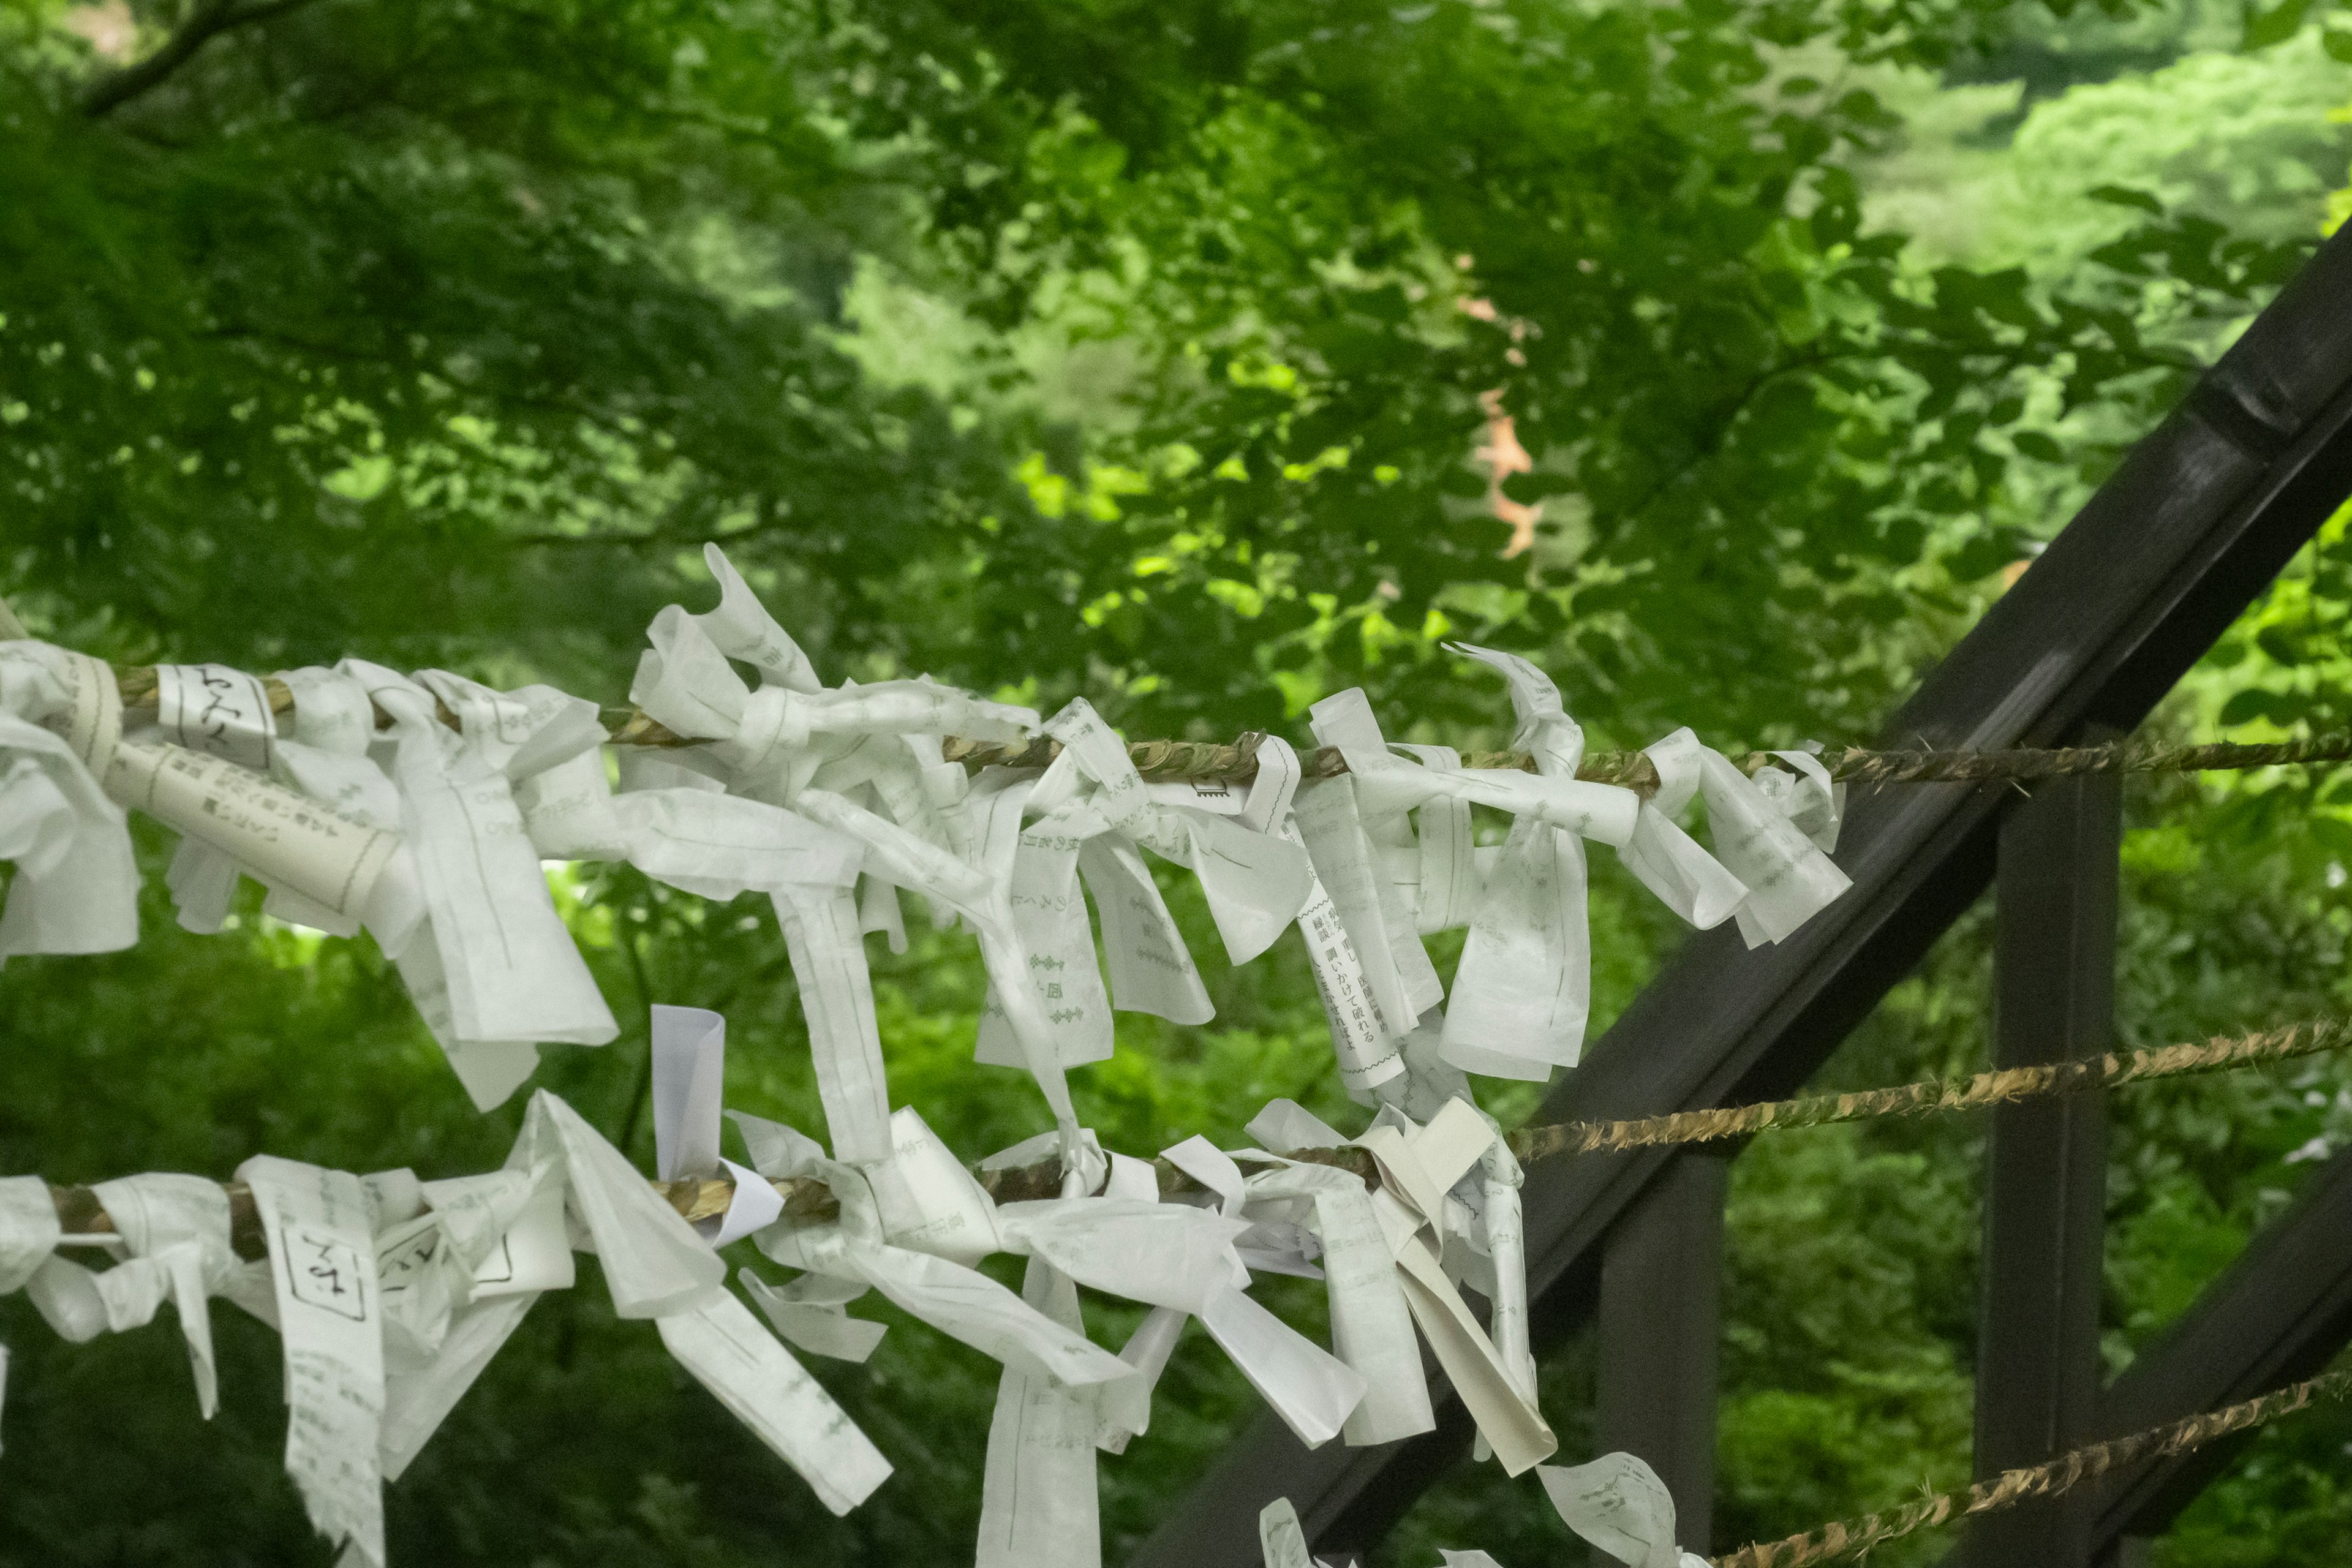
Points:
(1135, 351)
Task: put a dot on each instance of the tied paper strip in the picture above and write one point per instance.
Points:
(657, 1267)
(1619, 1504)
(690, 1070)
(1789, 879)
(762, 740)
(216, 710)
(910, 1229)
(1182, 1259)
(1523, 992)
(1255, 883)
(1372, 1327)
(1361, 1037)
(983, 895)
(1667, 861)
(180, 1255)
(254, 825)
(1342, 832)
(457, 1278)
(495, 972)
(1255, 879)
(1049, 918)
(221, 712)
(322, 1261)
(28, 1235)
(718, 845)
(77, 884)
(178, 1226)
(1417, 1169)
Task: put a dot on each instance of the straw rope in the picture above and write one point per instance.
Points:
(1935, 1094)
(807, 1200)
(2060, 1475)
(1205, 762)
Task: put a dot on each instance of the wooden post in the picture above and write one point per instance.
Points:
(2045, 1178)
(1661, 1325)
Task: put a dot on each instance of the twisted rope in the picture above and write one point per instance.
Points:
(808, 1200)
(1934, 1094)
(2060, 1475)
(1214, 761)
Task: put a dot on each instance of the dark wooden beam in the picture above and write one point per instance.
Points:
(1661, 1325)
(2277, 1315)
(2197, 518)
(2038, 1371)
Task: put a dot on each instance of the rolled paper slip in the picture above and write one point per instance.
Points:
(270, 832)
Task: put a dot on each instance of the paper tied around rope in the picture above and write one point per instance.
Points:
(1788, 877)
(495, 972)
(70, 694)
(29, 1229)
(76, 889)
(1807, 795)
(1256, 880)
(1669, 861)
(216, 709)
(657, 1267)
(981, 894)
(1039, 1484)
(1522, 991)
(926, 1277)
(1418, 1167)
(690, 1063)
(1181, 1259)
(1619, 1505)
(761, 737)
(330, 1319)
(178, 1226)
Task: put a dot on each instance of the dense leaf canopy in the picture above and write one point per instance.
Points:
(1062, 347)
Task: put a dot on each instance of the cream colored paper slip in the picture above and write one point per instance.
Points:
(264, 829)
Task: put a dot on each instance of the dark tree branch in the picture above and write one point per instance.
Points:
(205, 22)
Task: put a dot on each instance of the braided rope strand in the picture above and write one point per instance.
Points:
(1207, 761)
(1934, 1095)
(2058, 1476)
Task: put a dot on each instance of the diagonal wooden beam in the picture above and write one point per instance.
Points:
(2276, 1316)
(2201, 515)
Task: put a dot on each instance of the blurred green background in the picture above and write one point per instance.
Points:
(1147, 351)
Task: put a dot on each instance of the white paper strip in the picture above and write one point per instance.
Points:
(1333, 832)
(1371, 1328)
(820, 933)
(322, 1260)
(180, 1224)
(1667, 861)
(1617, 1504)
(218, 710)
(267, 831)
(1038, 1506)
(502, 972)
(689, 1067)
(1151, 969)
(758, 1381)
(819, 1326)
(76, 885)
(29, 1229)
(653, 1261)
(1789, 879)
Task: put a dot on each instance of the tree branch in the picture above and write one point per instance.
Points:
(206, 21)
